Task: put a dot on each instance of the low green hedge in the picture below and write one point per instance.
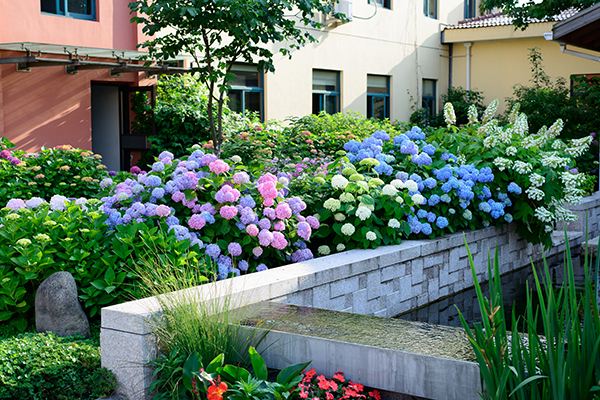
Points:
(45, 366)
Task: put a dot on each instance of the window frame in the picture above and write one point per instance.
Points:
(432, 98)
(470, 9)
(385, 96)
(243, 90)
(324, 94)
(427, 10)
(67, 14)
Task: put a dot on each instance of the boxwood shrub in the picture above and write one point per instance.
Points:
(45, 366)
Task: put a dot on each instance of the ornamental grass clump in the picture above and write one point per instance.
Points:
(553, 351)
(242, 223)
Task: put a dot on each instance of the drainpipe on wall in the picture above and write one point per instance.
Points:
(468, 72)
(450, 66)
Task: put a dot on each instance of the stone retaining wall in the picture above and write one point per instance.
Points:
(383, 282)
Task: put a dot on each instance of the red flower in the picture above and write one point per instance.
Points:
(216, 390)
(356, 386)
(375, 394)
(339, 376)
(329, 396)
(309, 375)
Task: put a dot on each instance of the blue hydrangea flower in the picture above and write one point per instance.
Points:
(514, 188)
(213, 251)
(441, 222)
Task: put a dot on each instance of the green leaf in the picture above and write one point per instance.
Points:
(258, 364)
(288, 374)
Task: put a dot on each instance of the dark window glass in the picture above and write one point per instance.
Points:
(430, 8)
(80, 7)
(49, 6)
(429, 102)
(383, 3)
(378, 96)
(470, 9)
(246, 93)
(326, 91)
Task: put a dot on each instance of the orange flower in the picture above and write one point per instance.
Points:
(216, 390)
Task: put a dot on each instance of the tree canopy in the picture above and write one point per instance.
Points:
(218, 33)
(524, 11)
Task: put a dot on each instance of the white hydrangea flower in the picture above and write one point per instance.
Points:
(535, 194)
(348, 229)
(332, 204)
(522, 167)
(564, 214)
(363, 213)
(555, 129)
(553, 160)
(502, 163)
(548, 228)
(468, 215)
(411, 185)
(340, 247)
(579, 146)
(399, 200)
(389, 190)
(363, 185)
(339, 182)
(559, 145)
(418, 199)
(394, 223)
(521, 126)
(370, 235)
(543, 214)
(339, 217)
(449, 114)
(323, 250)
(490, 111)
(58, 202)
(511, 151)
(536, 179)
(514, 113)
(472, 114)
(346, 197)
(397, 183)
(369, 206)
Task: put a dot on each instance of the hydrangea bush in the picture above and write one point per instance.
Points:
(538, 170)
(243, 224)
(62, 170)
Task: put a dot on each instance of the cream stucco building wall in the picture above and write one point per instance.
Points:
(400, 42)
(499, 58)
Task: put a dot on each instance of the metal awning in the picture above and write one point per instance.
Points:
(581, 30)
(75, 58)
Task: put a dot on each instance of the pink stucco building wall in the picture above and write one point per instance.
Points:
(47, 106)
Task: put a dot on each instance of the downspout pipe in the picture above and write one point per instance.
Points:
(468, 68)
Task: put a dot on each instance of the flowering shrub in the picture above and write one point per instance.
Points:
(539, 171)
(62, 170)
(39, 238)
(388, 188)
(239, 221)
(315, 386)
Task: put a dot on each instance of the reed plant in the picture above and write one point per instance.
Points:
(551, 352)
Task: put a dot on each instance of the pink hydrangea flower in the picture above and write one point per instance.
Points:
(234, 249)
(178, 197)
(252, 230)
(313, 222)
(196, 222)
(163, 211)
(15, 204)
(279, 242)
(227, 194)
(218, 167)
(283, 211)
(241, 178)
(269, 213)
(265, 237)
(228, 212)
(279, 226)
(304, 230)
(257, 251)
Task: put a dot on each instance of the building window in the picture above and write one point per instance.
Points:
(378, 96)
(430, 8)
(470, 9)
(81, 9)
(382, 3)
(246, 92)
(326, 91)
(429, 101)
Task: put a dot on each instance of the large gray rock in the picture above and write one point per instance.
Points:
(57, 307)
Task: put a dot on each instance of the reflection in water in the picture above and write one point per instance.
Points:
(514, 286)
